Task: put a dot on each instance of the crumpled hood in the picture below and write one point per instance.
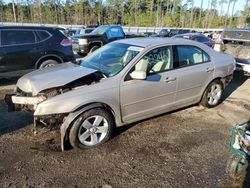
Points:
(51, 77)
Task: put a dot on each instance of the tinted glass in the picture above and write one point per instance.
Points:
(184, 31)
(114, 32)
(201, 39)
(17, 37)
(43, 35)
(163, 32)
(189, 55)
(157, 60)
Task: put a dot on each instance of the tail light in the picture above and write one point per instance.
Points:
(66, 42)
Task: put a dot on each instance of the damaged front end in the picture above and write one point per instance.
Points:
(32, 92)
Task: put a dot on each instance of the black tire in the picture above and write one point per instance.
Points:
(94, 48)
(48, 63)
(206, 100)
(236, 167)
(78, 129)
(81, 54)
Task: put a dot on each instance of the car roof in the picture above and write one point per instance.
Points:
(191, 34)
(154, 41)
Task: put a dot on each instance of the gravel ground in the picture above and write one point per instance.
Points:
(184, 148)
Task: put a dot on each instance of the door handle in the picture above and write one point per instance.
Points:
(209, 70)
(170, 79)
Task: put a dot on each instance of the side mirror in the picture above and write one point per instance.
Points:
(138, 75)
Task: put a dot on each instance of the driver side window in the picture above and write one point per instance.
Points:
(157, 60)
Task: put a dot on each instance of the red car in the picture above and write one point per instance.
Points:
(197, 37)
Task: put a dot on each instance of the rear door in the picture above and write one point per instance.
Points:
(195, 71)
(21, 50)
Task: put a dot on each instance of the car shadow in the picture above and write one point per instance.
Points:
(12, 121)
(8, 81)
(246, 182)
(238, 80)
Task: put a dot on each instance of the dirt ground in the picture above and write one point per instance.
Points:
(185, 148)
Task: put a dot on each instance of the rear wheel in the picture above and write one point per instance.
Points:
(48, 63)
(213, 94)
(92, 128)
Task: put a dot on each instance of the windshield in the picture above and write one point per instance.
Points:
(111, 58)
(100, 30)
(80, 31)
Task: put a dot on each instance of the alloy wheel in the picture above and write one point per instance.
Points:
(93, 130)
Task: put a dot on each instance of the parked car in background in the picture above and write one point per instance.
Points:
(70, 31)
(123, 82)
(208, 34)
(197, 37)
(164, 33)
(172, 32)
(88, 43)
(149, 34)
(243, 66)
(85, 29)
(235, 35)
(23, 49)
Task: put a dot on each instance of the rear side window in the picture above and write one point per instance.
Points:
(17, 37)
(201, 39)
(115, 32)
(42, 35)
(190, 55)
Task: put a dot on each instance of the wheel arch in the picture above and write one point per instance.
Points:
(70, 119)
(47, 57)
(220, 79)
(95, 43)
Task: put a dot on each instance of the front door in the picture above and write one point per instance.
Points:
(156, 94)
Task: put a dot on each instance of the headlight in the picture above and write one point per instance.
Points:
(83, 41)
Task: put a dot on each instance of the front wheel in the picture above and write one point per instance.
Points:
(92, 128)
(213, 94)
(236, 167)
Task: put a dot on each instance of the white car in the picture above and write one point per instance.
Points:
(243, 66)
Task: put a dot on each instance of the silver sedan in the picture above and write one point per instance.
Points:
(122, 82)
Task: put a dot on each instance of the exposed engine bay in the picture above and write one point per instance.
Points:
(21, 100)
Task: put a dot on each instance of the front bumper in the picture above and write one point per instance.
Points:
(17, 103)
(241, 67)
(84, 49)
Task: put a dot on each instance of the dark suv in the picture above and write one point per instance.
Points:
(23, 48)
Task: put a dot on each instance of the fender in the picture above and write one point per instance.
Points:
(72, 116)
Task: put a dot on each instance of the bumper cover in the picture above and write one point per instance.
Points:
(17, 103)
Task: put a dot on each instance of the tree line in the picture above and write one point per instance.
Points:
(159, 13)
